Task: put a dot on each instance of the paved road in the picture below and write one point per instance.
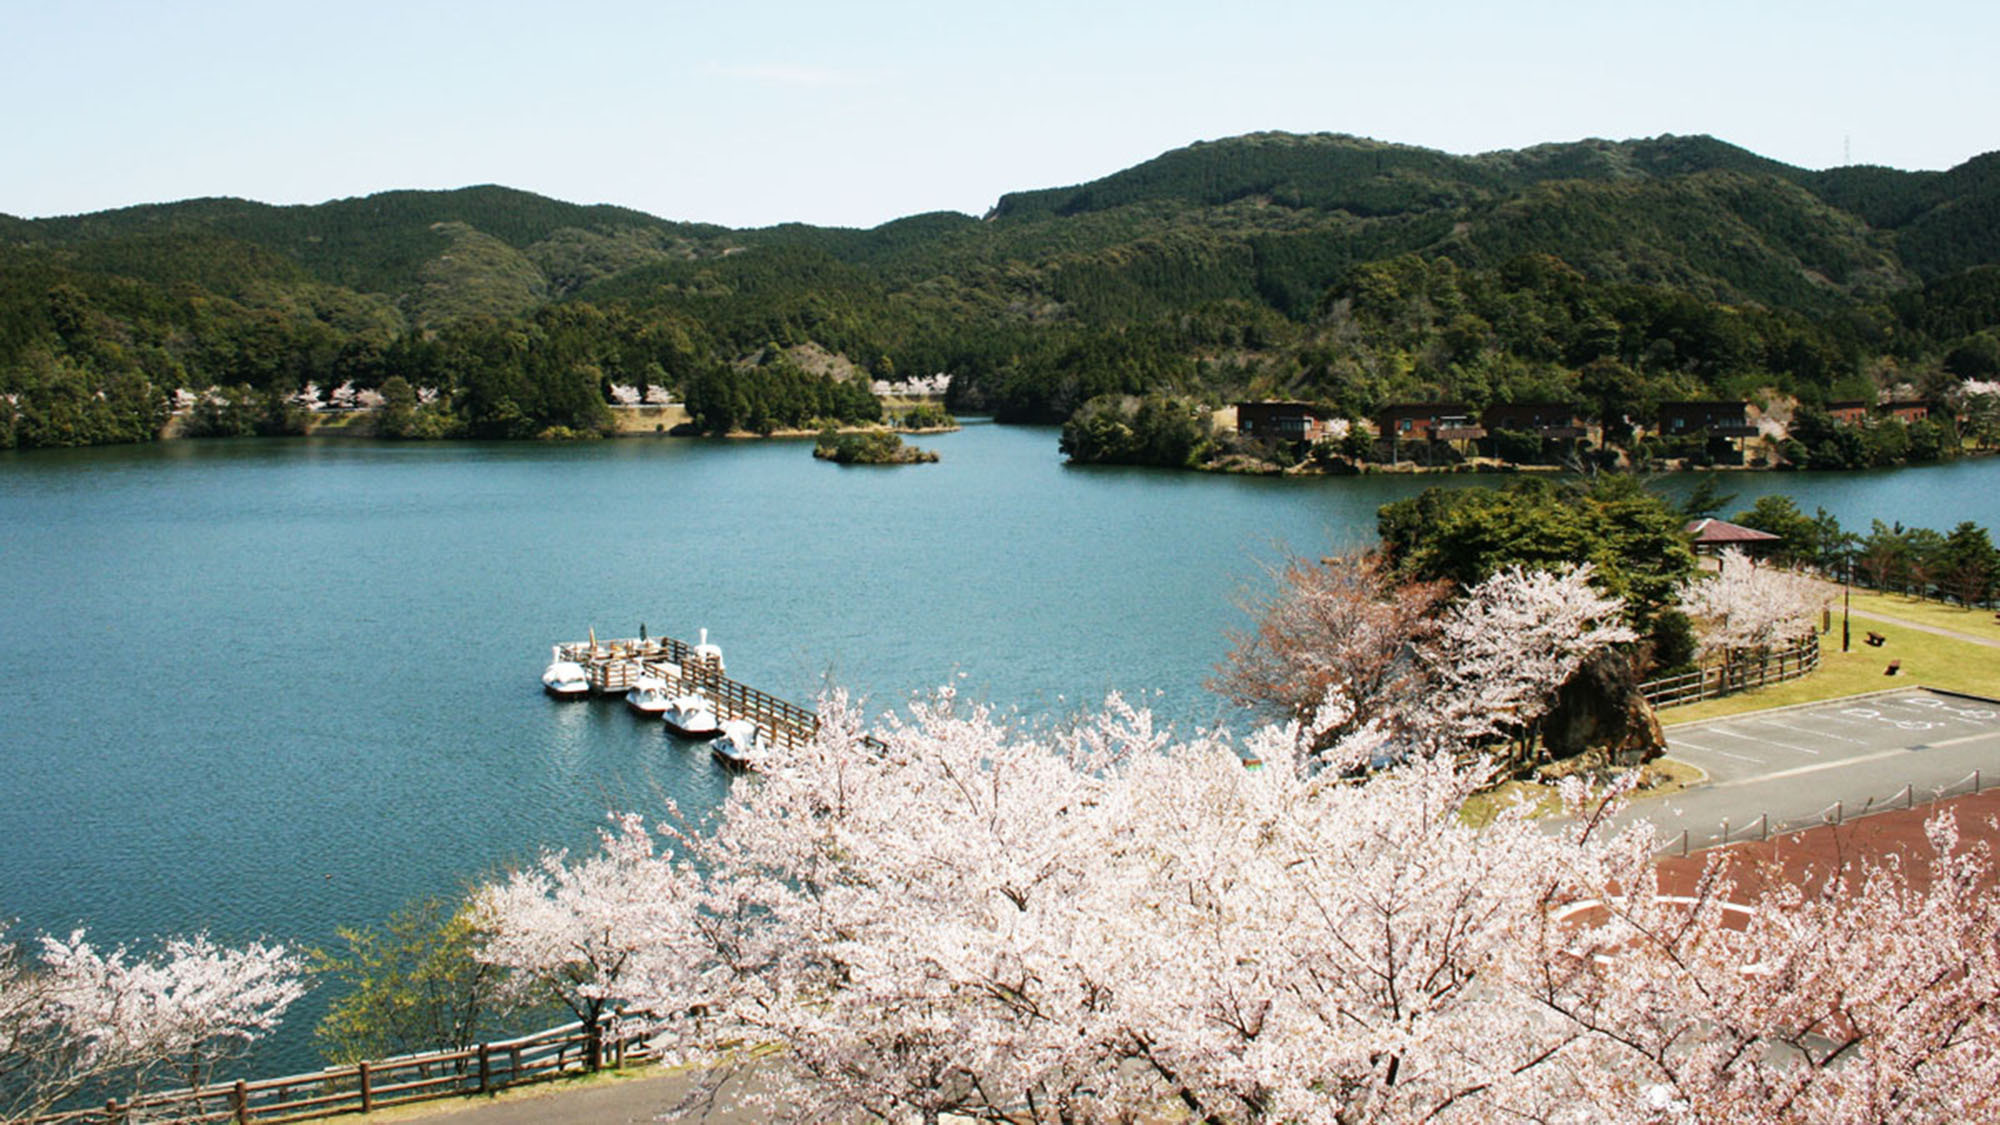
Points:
(670, 1097)
(1798, 765)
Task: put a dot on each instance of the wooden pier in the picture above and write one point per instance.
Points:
(613, 666)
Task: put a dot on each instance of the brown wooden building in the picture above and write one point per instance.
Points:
(1908, 410)
(1282, 421)
(1547, 419)
(1428, 421)
(1717, 419)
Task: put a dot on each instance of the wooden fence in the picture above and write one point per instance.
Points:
(372, 1085)
(1731, 676)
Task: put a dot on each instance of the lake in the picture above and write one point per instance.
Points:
(267, 688)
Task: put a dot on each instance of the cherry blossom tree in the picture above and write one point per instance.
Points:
(1745, 606)
(1295, 948)
(586, 933)
(1345, 625)
(912, 909)
(954, 915)
(41, 1062)
(1865, 998)
(1503, 650)
(81, 1016)
(1977, 403)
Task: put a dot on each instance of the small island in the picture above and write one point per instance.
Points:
(869, 447)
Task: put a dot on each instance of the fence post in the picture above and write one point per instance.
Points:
(1975, 783)
(1684, 843)
(239, 1096)
(111, 1114)
(367, 1098)
(1725, 833)
(1764, 826)
(1837, 810)
(1909, 796)
(485, 1068)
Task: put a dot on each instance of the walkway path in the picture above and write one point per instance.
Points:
(1935, 630)
(670, 1097)
(1834, 590)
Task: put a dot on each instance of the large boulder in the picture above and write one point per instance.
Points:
(1601, 712)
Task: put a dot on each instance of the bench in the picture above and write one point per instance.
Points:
(1894, 667)
(1876, 640)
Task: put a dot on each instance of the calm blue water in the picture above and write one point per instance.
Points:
(270, 688)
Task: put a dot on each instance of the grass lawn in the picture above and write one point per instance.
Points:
(1974, 622)
(1658, 778)
(1928, 660)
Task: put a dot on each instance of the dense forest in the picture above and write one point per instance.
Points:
(1350, 273)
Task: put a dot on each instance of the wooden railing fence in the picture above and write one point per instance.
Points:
(1733, 675)
(372, 1085)
(613, 666)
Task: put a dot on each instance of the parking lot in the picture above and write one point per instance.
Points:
(1792, 765)
(1832, 734)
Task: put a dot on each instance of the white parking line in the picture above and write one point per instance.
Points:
(1814, 768)
(1809, 731)
(1768, 742)
(1904, 707)
(1677, 745)
(1831, 717)
(1899, 724)
(1976, 716)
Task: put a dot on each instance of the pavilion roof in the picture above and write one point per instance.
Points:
(1722, 531)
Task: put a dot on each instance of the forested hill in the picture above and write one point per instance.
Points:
(1327, 267)
(1932, 214)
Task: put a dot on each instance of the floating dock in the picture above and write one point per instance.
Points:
(613, 666)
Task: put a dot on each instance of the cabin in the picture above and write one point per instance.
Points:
(1283, 421)
(1848, 412)
(1907, 410)
(1717, 419)
(1546, 419)
(1713, 536)
(1428, 421)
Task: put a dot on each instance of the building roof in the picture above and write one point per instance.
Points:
(1281, 404)
(1713, 530)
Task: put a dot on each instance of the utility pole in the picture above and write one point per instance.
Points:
(1846, 600)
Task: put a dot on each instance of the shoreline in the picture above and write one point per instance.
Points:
(662, 421)
(627, 422)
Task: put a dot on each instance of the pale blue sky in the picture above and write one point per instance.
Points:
(854, 112)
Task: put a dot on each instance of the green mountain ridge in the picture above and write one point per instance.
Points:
(1211, 269)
